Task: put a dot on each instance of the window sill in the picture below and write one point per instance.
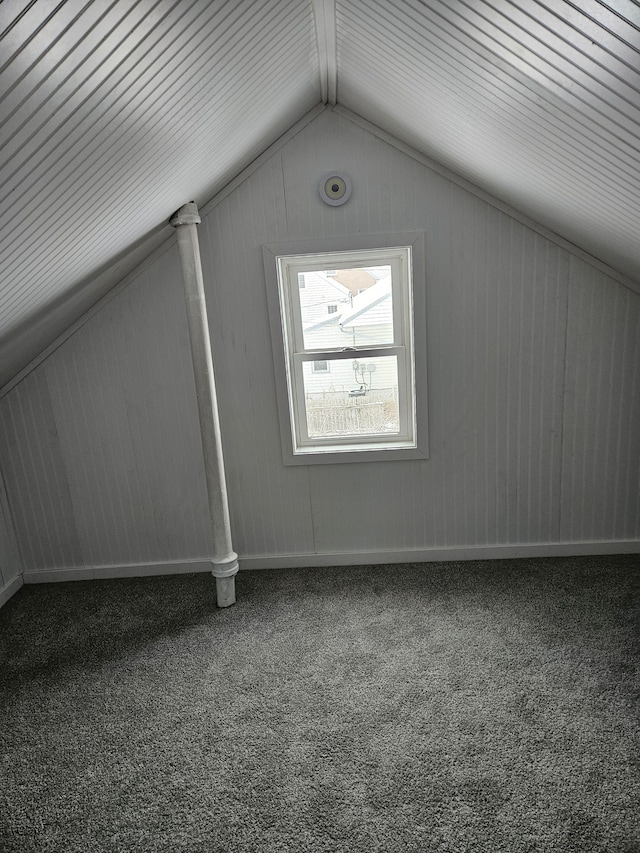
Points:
(339, 455)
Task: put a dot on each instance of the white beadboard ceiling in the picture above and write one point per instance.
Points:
(536, 102)
(116, 112)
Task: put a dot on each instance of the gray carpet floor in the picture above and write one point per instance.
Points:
(473, 707)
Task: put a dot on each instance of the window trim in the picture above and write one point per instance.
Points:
(345, 451)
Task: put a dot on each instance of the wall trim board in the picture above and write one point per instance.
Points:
(10, 589)
(137, 570)
(447, 554)
(487, 197)
(359, 558)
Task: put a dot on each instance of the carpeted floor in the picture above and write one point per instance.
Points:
(439, 707)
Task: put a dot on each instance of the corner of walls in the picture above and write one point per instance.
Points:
(11, 565)
(10, 588)
(601, 408)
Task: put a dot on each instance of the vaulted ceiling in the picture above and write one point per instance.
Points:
(116, 112)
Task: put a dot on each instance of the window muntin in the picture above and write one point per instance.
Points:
(368, 400)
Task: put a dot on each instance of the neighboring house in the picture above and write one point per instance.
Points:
(362, 319)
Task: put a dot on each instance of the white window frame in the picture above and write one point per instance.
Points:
(283, 262)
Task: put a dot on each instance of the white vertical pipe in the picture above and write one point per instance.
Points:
(224, 561)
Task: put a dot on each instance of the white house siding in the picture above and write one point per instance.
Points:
(320, 292)
(341, 376)
(359, 321)
(532, 379)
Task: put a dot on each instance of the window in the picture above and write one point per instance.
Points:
(346, 358)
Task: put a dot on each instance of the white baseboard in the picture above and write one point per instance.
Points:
(10, 589)
(356, 558)
(135, 570)
(449, 554)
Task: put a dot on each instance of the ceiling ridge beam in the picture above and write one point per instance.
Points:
(324, 13)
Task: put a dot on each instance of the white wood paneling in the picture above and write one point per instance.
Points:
(496, 303)
(601, 448)
(537, 102)
(269, 504)
(116, 113)
(107, 470)
(101, 447)
(35, 477)
(123, 404)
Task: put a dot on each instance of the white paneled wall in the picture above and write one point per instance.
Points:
(101, 448)
(270, 504)
(601, 458)
(122, 396)
(532, 378)
(35, 476)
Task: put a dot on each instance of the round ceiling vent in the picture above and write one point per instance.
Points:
(335, 189)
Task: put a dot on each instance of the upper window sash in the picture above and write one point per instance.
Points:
(290, 268)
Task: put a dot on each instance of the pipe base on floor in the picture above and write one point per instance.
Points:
(226, 591)
(225, 572)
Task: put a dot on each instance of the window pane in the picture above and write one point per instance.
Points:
(350, 307)
(353, 398)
